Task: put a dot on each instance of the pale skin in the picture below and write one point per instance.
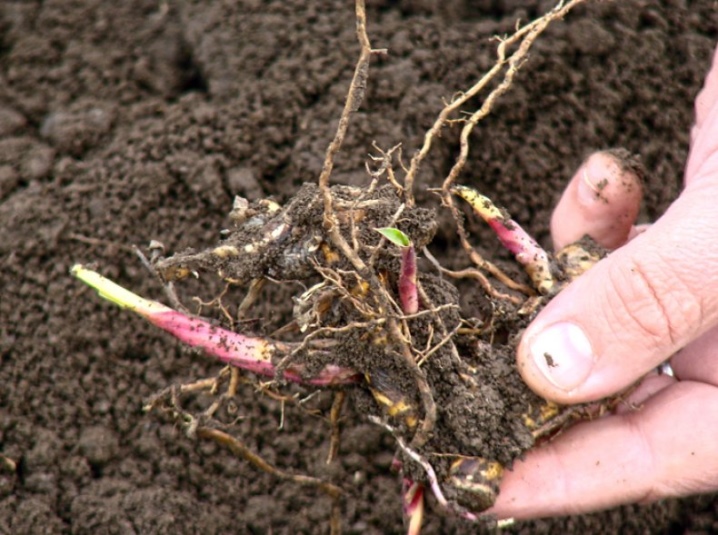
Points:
(655, 298)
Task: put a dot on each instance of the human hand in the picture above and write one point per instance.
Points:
(654, 298)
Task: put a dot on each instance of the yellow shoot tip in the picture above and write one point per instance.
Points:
(481, 204)
(117, 294)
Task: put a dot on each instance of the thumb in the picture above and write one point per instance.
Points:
(633, 310)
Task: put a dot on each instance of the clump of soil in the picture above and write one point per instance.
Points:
(485, 415)
(125, 122)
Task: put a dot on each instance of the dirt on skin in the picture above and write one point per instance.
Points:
(123, 123)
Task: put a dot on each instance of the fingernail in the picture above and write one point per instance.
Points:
(563, 354)
(593, 180)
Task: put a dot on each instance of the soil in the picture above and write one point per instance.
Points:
(122, 123)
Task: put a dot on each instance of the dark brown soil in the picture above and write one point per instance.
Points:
(126, 122)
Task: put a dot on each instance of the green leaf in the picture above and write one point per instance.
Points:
(395, 236)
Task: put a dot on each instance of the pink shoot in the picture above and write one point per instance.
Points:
(413, 505)
(256, 355)
(527, 252)
(408, 292)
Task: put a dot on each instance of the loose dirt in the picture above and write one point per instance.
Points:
(123, 123)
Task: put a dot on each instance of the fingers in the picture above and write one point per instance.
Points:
(645, 301)
(631, 311)
(602, 200)
(653, 453)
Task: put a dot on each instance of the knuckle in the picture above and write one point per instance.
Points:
(653, 300)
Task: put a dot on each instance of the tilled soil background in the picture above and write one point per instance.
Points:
(123, 122)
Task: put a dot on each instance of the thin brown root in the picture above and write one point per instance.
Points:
(621, 398)
(233, 382)
(335, 521)
(525, 36)
(354, 99)
(331, 224)
(475, 257)
(335, 279)
(228, 394)
(240, 450)
(196, 426)
(428, 469)
(98, 242)
(429, 311)
(385, 166)
(441, 325)
(475, 274)
(423, 434)
(216, 302)
(210, 384)
(255, 288)
(326, 342)
(447, 338)
(553, 427)
(334, 415)
(283, 399)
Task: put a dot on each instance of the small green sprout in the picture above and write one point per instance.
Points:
(395, 236)
(408, 291)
